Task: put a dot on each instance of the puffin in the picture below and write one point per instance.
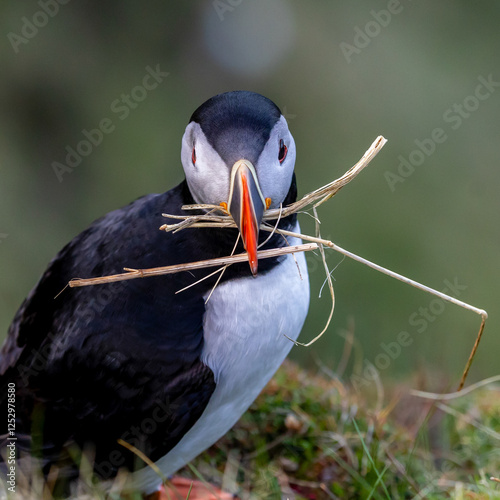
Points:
(166, 364)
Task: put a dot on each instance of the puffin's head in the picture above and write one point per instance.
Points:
(237, 150)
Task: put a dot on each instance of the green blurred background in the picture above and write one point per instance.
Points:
(343, 73)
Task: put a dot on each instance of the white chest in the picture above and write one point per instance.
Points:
(245, 324)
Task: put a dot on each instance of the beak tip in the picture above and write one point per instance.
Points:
(253, 267)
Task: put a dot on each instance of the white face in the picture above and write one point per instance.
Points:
(209, 177)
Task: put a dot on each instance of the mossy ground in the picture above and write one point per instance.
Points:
(313, 437)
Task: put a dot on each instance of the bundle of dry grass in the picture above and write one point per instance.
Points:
(216, 216)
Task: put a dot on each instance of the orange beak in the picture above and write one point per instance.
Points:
(246, 205)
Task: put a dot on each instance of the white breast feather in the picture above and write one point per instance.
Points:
(244, 327)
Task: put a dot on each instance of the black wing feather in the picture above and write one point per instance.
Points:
(120, 360)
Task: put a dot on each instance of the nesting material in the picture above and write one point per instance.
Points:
(217, 216)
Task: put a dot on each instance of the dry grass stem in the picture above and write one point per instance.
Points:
(315, 198)
(330, 287)
(144, 458)
(216, 216)
(222, 270)
(484, 315)
(468, 419)
(131, 274)
(457, 394)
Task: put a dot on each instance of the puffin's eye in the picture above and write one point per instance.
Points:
(283, 151)
(193, 156)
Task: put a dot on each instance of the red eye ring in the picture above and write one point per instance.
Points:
(193, 156)
(283, 151)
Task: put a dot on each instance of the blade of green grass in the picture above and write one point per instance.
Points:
(353, 472)
(370, 458)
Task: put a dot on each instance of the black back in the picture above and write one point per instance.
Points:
(120, 360)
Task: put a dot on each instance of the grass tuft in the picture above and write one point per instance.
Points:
(310, 437)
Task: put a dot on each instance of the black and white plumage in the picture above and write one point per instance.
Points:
(135, 360)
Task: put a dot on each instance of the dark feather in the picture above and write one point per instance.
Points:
(120, 360)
